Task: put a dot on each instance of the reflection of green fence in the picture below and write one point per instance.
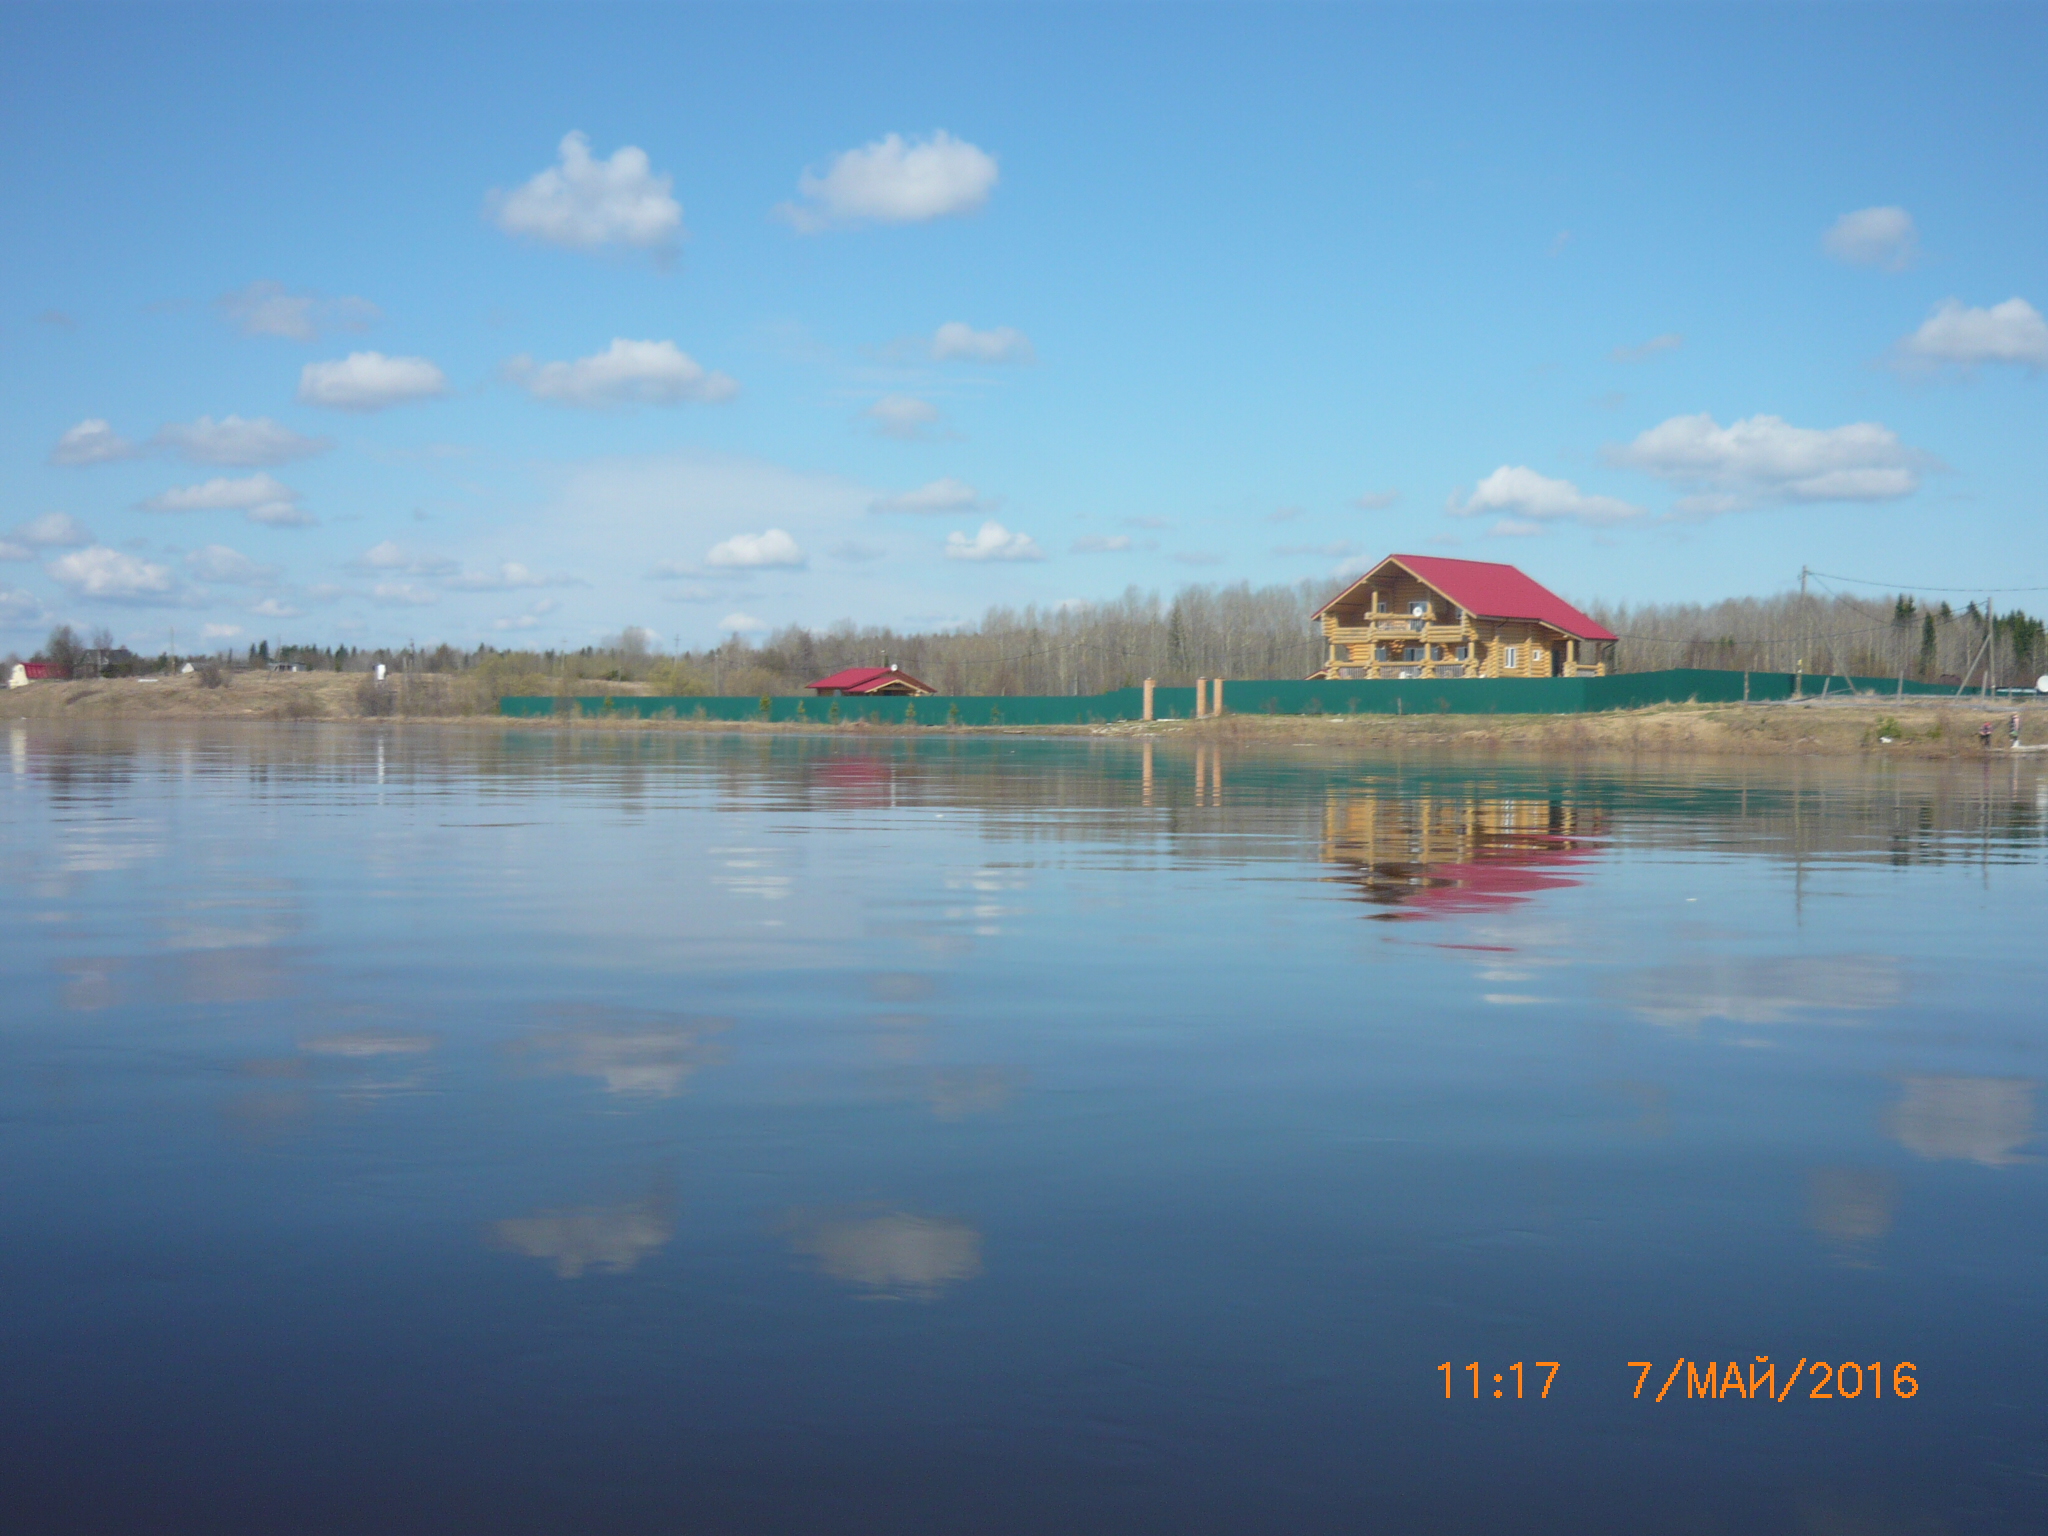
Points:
(1419, 696)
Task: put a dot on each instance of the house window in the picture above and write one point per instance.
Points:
(1419, 609)
(1513, 658)
(1464, 653)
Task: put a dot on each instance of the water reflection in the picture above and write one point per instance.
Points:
(1435, 855)
(600, 1239)
(897, 1255)
(1781, 989)
(1852, 1208)
(1983, 1120)
(632, 1054)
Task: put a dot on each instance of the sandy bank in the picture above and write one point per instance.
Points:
(1916, 727)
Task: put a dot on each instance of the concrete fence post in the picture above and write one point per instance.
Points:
(1148, 698)
(1201, 698)
(1216, 698)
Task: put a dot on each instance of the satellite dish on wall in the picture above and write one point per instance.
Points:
(2041, 683)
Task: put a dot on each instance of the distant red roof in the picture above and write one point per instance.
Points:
(1492, 591)
(870, 680)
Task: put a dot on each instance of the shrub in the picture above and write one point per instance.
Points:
(212, 674)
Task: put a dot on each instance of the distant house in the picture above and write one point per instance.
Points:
(869, 680)
(1425, 616)
(43, 671)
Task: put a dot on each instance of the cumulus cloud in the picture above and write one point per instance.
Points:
(1670, 341)
(770, 550)
(992, 542)
(902, 416)
(241, 442)
(370, 381)
(1101, 544)
(957, 339)
(53, 530)
(508, 577)
(113, 575)
(625, 373)
(1765, 458)
(2012, 332)
(270, 309)
(1874, 237)
(737, 623)
(260, 498)
(894, 181)
(936, 498)
(271, 608)
(19, 607)
(219, 631)
(584, 203)
(217, 562)
(1521, 496)
(92, 442)
(402, 594)
(392, 558)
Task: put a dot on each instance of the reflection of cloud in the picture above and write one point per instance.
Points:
(234, 976)
(1851, 1207)
(914, 1257)
(610, 1239)
(1982, 1119)
(91, 986)
(649, 1055)
(367, 1042)
(977, 1091)
(1782, 990)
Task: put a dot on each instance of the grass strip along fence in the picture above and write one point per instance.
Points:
(1414, 696)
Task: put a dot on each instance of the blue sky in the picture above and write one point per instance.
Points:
(320, 325)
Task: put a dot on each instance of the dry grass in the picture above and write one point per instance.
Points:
(1918, 728)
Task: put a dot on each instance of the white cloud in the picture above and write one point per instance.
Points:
(2012, 332)
(402, 594)
(270, 309)
(234, 440)
(1376, 501)
(281, 514)
(9, 550)
(736, 622)
(217, 562)
(770, 550)
(1874, 237)
(261, 498)
(993, 542)
(1670, 341)
(529, 619)
(111, 574)
(53, 530)
(894, 181)
(219, 631)
(271, 608)
(625, 373)
(938, 498)
(393, 558)
(1514, 528)
(1764, 458)
(583, 203)
(18, 607)
(902, 416)
(1520, 493)
(92, 442)
(957, 339)
(370, 381)
(1101, 544)
(508, 577)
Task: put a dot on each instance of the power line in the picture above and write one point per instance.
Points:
(1909, 587)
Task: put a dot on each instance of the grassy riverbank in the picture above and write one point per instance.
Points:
(1913, 727)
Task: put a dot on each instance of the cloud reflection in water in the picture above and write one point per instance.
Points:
(893, 1255)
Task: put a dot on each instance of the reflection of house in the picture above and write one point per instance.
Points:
(1434, 857)
(870, 680)
(1423, 616)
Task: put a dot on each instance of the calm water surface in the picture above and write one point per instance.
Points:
(445, 1131)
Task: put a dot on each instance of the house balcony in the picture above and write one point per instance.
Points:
(1392, 631)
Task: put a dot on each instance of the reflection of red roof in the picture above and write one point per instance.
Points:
(868, 680)
(1492, 591)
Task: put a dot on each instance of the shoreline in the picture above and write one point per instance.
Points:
(1918, 727)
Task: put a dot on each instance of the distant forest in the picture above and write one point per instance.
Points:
(1236, 631)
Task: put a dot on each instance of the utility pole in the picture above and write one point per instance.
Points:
(1991, 655)
(1799, 664)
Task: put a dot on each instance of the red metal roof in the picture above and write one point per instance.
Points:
(866, 680)
(1492, 591)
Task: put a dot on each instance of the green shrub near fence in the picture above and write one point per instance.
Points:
(1463, 696)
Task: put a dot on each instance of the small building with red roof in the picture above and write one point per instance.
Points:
(1426, 616)
(870, 680)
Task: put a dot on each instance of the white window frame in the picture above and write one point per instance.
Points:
(1511, 658)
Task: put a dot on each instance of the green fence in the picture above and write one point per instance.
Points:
(1416, 696)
